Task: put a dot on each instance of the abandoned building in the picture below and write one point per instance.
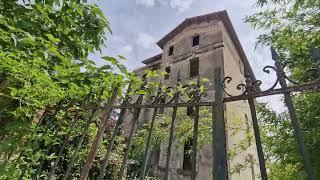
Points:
(194, 48)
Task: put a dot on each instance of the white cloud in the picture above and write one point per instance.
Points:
(147, 3)
(145, 40)
(181, 5)
(127, 49)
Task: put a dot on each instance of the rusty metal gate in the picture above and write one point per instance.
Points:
(250, 91)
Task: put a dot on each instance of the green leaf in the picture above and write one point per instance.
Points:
(51, 38)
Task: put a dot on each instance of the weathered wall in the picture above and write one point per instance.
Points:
(215, 49)
(236, 113)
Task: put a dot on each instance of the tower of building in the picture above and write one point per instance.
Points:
(194, 49)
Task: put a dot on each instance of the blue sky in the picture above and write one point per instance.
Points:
(138, 24)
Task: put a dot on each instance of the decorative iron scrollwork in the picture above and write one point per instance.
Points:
(254, 85)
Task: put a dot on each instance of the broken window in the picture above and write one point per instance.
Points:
(144, 77)
(190, 111)
(170, 50)
(167, 75)
(187, 162)
(194, 67)
(195, 40)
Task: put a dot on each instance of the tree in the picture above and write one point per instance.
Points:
(292, 27)
(46, 78)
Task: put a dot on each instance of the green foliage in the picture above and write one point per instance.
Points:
(292, 27)
(279, 140)
(183, 133)
(44, 65)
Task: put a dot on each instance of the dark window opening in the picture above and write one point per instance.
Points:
(170, 50)
(187, 162)
(161, 110)
(190, 111)
(194, 67)
(155, 67)
(195, 40)
(144, 77)
(167, 75)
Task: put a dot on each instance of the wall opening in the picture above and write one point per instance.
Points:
(167, 75)
(187, 162)
(170, 50)
(194, 67)
(161, 110)
(190, 111)
(195, 40)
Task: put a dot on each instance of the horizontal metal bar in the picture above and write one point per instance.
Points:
(298, 88)
(139, 106)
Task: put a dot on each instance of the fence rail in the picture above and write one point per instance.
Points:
(195, 98)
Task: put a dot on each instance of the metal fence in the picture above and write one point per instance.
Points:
(249, 91)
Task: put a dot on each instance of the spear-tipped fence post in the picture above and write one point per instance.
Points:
(294, 119)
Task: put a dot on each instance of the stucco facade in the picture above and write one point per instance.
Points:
(218, 46)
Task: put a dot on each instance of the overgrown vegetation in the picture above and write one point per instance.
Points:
(292, 27)
(45, 71)
(46, 80)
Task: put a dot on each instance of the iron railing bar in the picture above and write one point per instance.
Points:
(262, 164)
(36, 129)
(114, 135)
(147, 106)
(294, 120)
(195, 143)
(66, 140)
(171, 136)
(111, 143)
(195, 134)
(84, 133)
(39, 169)
(256, 130)
(298, 88)
(79, 145)
(149, 139)
(94, 148)
(129, 143)
(299, 137)
(220, 171)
